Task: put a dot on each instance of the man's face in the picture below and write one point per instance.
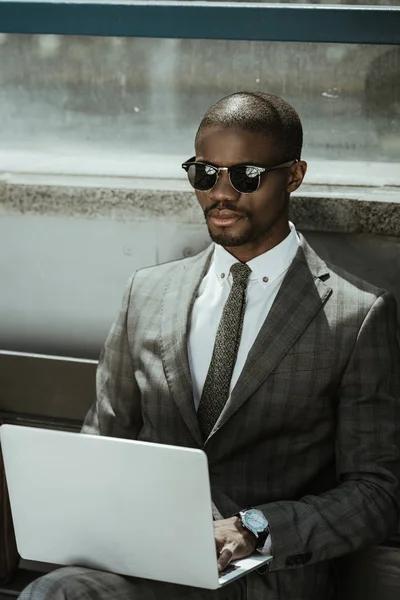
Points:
(259, 220)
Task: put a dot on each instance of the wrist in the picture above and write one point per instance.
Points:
(249, 538)
(254, 522)
(249, 535)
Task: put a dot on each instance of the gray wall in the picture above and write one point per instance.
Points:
(62, 278)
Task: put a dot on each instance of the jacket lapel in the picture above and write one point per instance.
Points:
(300, 297)
(179, 296)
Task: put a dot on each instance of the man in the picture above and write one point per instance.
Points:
(284, 370)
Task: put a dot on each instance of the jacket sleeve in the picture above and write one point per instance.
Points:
(363, 508)
(117, 411)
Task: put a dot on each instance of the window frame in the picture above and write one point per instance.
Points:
(204, 20)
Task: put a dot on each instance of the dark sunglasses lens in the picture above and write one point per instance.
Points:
(245, 179)
(202, 177)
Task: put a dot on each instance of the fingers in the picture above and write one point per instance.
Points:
(232, 541)
(224, 558)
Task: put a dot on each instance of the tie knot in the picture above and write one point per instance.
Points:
(240, 273)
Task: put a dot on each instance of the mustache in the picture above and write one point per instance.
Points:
(227, 206)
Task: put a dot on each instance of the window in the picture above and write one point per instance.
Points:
(114, 105)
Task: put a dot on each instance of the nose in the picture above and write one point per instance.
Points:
(223, 189)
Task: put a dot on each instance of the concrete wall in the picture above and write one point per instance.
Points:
(66, 254)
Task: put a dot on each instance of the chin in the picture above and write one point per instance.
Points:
(229, 239)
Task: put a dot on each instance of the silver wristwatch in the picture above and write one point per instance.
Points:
(254, 520)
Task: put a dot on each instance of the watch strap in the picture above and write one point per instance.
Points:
(262, 538)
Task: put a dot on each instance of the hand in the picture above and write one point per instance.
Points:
(233, 541)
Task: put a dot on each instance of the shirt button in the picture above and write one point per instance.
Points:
(222, 275)
(265, 279)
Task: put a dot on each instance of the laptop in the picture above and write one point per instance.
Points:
(128, 507)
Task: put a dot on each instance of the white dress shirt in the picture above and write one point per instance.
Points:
(268, 271)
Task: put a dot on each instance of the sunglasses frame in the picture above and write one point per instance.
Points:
(260, 171)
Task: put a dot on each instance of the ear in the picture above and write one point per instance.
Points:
(296, 175)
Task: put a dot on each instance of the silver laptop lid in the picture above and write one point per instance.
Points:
(129, 507)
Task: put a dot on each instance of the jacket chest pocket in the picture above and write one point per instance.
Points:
(304, 362)
(304, 380)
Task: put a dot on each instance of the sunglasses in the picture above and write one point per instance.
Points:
(245, 179)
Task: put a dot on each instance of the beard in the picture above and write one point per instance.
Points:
(226, 239)
(252, 233)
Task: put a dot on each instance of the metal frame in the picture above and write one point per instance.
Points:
(204, 20)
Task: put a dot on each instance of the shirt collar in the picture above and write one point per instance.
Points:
(266, 267)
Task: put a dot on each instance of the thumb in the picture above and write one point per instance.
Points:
(224, 558)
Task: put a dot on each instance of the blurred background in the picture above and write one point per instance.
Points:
(93, 133)
(64, 99)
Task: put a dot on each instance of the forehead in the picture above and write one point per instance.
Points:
(226, 146)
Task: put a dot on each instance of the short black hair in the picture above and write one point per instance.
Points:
(260, 112)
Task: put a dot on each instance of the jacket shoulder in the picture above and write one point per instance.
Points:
(159, 274)
(168, 267)
(355, 298)
(345, 286)
(349, 284)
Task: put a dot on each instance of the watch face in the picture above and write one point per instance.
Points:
(255, 520)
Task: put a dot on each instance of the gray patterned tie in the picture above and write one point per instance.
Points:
(218, 380)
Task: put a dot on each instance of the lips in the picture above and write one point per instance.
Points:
(224, 213)
(223, 217)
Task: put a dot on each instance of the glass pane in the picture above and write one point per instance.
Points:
(131, 106)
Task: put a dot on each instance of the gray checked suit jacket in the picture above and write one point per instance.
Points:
(310, 434)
